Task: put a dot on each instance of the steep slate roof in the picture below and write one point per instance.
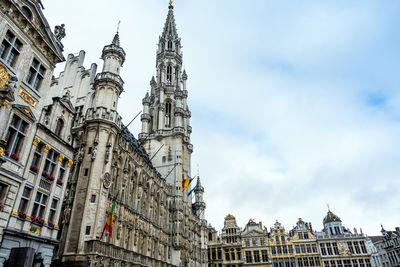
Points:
(138, 148)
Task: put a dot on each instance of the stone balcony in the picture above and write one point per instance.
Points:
(109, 77)
(101, 113)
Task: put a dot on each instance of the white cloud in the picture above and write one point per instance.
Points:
(280, 96)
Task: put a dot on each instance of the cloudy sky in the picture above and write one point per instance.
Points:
(295, 104)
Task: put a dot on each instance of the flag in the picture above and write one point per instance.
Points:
(110, 219)
(191, 191)
(186, 182)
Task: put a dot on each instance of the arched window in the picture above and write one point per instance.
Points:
(169, 45)
(59, 127)
(176, 74)
(168, 114)
(169, 73)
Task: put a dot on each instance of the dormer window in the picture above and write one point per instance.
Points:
(59, 127)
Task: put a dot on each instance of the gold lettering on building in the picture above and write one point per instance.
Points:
(27, 97)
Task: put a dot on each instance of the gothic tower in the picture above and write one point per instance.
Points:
(166, 137)
(166, 117)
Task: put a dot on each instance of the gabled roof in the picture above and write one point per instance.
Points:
(376, 238)
(42, 26)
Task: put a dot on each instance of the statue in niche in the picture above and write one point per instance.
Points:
(67, 213)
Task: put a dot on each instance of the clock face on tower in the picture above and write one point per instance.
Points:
(107, 180)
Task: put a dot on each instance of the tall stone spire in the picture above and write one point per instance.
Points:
(166, 116)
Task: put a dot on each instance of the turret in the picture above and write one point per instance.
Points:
(199, 205)
(108, 84)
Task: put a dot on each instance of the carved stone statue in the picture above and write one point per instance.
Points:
(59, 32)
(66, 215)
(7, 91)
(94, 152)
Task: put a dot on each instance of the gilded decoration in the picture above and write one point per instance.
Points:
(36, 141)
(26, 110)
(1, 151)
(27, 97)
(5, 103)
(46, 148)
(4, 76)
(61, 158)
(70, 163)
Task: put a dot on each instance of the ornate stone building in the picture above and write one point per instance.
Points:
(35, 142)
(341, 248)
(254, 244)
(66, 157)
(391, 245)
(302, 246)
(156, 223)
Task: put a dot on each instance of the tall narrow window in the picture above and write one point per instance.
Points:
(169, 45)
(264, 254)
(53, 210)
(176, 74)
(169, 73)
(35, 74)
(61, 173)
(3, 191)
(40, 205)
(168, 114)
(15, 137)
(37, 156)
(256, 254)
(26, 195)
(10, 49)
(59, 127)
(50, 165)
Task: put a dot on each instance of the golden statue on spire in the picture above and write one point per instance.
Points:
(171, 2)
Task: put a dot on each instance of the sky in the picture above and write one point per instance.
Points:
(295, 104)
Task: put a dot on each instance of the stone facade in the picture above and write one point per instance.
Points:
(302, 246)
(155, 222)
(36, 146)
(66, 157)
(390, 242)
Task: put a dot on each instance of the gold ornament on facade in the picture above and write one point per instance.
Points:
(27, 97)
(4, 76)
(36, 141)
(1, 151)
(47, 148)
(5, 103)
(70, 163)
(61, 158)
(26, 110)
